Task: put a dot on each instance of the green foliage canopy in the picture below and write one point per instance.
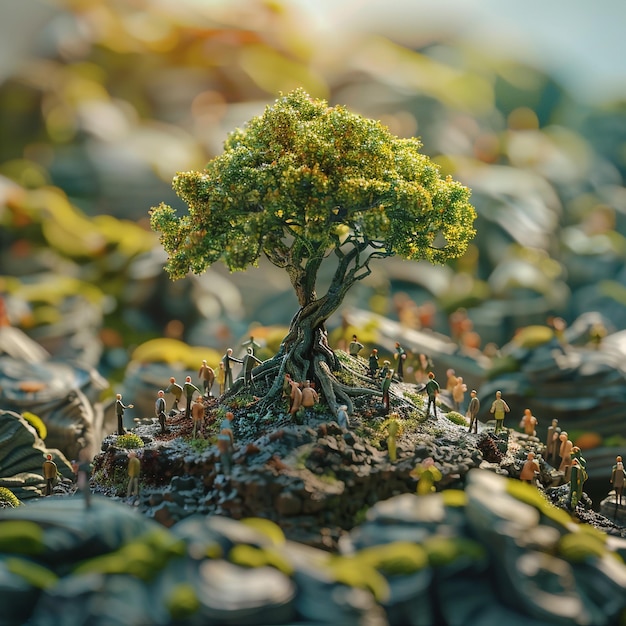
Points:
(304, 180)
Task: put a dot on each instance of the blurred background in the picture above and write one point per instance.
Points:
(103, 101)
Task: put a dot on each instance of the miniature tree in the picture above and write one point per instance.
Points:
(306, 184)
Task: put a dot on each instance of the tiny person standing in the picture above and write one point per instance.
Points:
(134, 469)
(49, 473)
(618, 477)
(499, 407)
(120, 407)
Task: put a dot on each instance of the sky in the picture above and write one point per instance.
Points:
(583, 42)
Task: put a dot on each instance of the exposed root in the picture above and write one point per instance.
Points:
(333, 389)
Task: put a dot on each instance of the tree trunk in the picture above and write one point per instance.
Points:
(305, 355)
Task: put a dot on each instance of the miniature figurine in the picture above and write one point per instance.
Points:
(176, 390)
(249, 363)
(451, 380)
(432, 390)
(394, 430)
(427, 312)
(472, 411)
(227, 359)
(373, 363)
(426, 474)
(190, 389)
(207, 376)
(459, 323)
(226, 443)
(49, 473)
(221, 378)
(384, 369)
(406, 310)
(342, 417)
(596, 334)
(499, 407)
(309, 395)
(530, 469)
(295, 396)
(197, 415)
(120, 407)
(528, 423)
(565, 452)
(618, 477)
(385, 385)
(550, 452)
(559, 325)
(424, 365)
(582, 461)
(134, 469)
(250, 343)
(159, 410)
(400, 356)
(576, 482)
(458, 394)
(355, 347)
(82, 469)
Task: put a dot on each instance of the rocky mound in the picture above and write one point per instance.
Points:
(22, 453)
(497, 552)
(315, 479)
(582, 386)
(64, 396)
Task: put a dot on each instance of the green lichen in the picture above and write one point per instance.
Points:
(533, 336)
(354, 572)
(580, 547)
(442, 551)
(266, 527)
(142, 558)
(199, 445)
(8, 497)
(531, 495)
(502, 365)
(394, 559)
(241, 401)
(37, 423)
(182, 602)
(455, 498)
(214, 551)
(251, 556)
(129, 441)
(594, 532)
(36, 575)
(456, 418)
(21, 537)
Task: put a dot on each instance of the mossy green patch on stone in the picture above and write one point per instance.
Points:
(442, 551)
(129, 441)
(21, 537)
(251, 556)
(36, 575)
(530, 495)
(7, 496)
(266, 527)
(182, 602)
(397, 558)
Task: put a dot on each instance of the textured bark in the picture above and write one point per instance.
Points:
(304, 353)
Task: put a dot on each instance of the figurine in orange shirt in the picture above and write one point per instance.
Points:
(529, 423)
(530, 469)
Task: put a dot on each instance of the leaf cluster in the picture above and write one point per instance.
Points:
(305, 178)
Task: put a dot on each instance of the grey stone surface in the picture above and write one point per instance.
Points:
(491, 554)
